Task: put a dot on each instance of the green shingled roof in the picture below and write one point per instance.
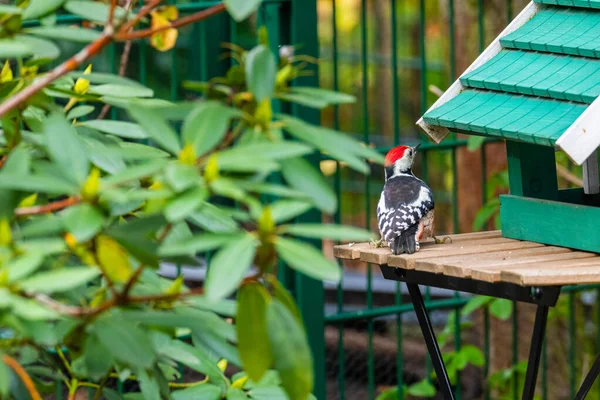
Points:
(542, 80)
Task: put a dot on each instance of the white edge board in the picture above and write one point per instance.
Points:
(582, 138)
(438, 133)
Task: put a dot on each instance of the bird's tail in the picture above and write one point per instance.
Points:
(406, 242)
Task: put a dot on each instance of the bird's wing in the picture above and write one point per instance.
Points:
(402, 205)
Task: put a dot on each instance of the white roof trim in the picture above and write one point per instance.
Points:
(583, 137)
(438, 133)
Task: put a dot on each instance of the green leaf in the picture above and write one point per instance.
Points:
(475, 142)
(5, 378)
(501, 308)
(327, 231)
(228, 267)
(12, 10)
(284, 297)
(268, 393)
(205, 391)
(288, 209)
(207, 125)
(127, 130)
(316, 97)
(196, 359)
(340, 145)
(390, 394)
(149, 386)
(305, 178)
(241, 9)
(84, 221)
(65, 148)
(21, 267)
(185, 204)
(236, 394)
(60, 280)
(126, 342)
(97, 358)
(196, 244)
(260, 72)
(116, 90)
(181, 177)
(135, 151)
(485, 213)
(103, 156)
(60, 32)
(251, 324)
(136, 172)
(473, 355)
(290, 350)
(40, 8)
(80, 111)
(10, 48)
(157, 128)
(213, 219)
(269, 151)
(102, 78)
(422, 389)
(18, 162)
(95, 11)
(42, 49)
(36, 183)
(475, 303)
(307, 259)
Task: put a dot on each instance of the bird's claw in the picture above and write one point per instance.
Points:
(377, 243)
(442, 240)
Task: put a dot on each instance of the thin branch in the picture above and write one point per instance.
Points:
(111, 13)
(47, 208)
(75, 311)
(570, 177)
(107, 37)
(25, 378)
(190, 19)
(145, 10)
(70, 65)
(123, 64)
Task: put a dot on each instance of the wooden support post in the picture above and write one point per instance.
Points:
(532, 170)
(591, 184)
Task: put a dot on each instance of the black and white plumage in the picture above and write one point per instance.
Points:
(405, 209)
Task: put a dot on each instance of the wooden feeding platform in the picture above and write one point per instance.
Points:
(487, 257)
(492, 265)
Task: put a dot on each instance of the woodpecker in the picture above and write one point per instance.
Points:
(405, 211)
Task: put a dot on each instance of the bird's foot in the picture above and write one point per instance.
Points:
(377, 243)
(442, 240)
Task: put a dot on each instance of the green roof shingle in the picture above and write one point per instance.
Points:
(539, 74)
(534, 89)
(510, 116)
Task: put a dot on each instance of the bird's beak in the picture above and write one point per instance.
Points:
(416, 147)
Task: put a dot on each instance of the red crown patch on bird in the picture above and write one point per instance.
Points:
(395, 154)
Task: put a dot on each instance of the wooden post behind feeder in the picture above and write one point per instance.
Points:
(537, 87)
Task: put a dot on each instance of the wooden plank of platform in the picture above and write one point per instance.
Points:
(488, 257)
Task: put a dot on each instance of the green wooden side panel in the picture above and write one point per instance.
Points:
(550, 222)
(539, 74)
(505, 115)
(574, 3)
(573, 31)
(532, 170)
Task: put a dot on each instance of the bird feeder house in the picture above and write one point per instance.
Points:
(537, 87)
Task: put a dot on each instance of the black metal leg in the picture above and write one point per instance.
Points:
(535, 352)
(589, 380)
(430, 340)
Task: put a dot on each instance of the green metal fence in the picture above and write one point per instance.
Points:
(420, 51)
(422, 48)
